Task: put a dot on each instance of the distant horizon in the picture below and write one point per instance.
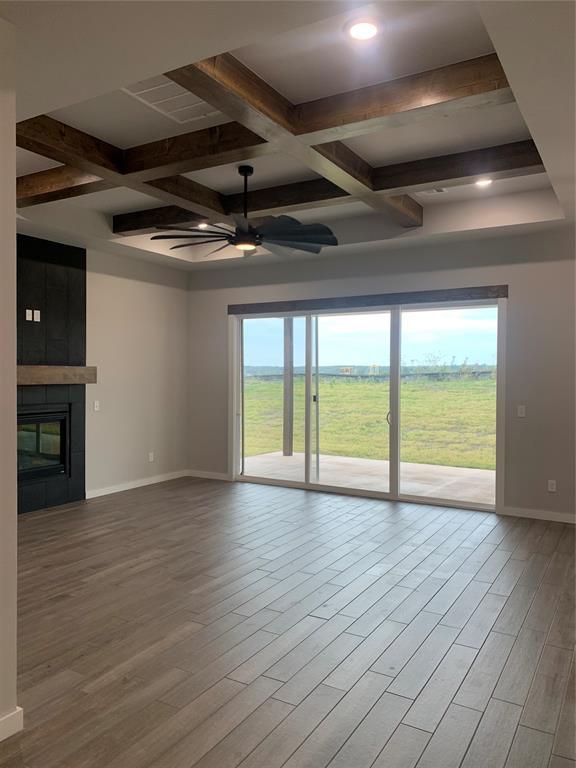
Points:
(301, 368)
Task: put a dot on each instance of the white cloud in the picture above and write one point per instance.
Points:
(451, 320)
(478, 320)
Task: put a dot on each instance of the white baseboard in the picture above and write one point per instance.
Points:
(11, 723)
(92, 494)
(199, 473)
(537, 514)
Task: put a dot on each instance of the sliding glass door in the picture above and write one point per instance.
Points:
(273, 394)
(448, 403)
(351, 400)
(397, 401)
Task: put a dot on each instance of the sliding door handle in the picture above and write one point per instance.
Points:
(388, 418)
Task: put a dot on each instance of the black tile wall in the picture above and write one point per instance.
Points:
(52, 279)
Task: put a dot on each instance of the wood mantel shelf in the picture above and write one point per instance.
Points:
(31, 375)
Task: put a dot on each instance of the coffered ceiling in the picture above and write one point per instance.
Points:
(333, 128)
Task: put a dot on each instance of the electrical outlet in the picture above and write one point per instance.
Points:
(96, 405)
(521, 411)
(151, 457)
(551, 486)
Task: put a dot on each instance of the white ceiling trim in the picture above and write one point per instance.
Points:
(535, 43)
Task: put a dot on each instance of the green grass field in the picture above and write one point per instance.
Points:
(450, 422)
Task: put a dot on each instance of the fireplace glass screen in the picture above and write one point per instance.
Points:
(42, 444)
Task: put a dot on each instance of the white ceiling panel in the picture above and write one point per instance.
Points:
(269, 170)
(498, 188)
(321, 59)
(458, 132)
(126, 121)
(30, 162)
(114, 201)
(68, 52)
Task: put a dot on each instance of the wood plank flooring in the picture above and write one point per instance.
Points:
(217, 625)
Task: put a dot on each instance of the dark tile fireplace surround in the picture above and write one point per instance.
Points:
(51, 332)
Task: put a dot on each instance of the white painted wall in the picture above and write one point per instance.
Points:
(537, 266)
(137, 335)
(10, 715)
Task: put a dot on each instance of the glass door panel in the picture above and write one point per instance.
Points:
(448, 403)
(350, 396)
(273, 395)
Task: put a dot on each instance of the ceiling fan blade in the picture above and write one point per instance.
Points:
(221, 248)
(241, 222)
(306, 233)
(273, 222)
(198, 232)
(297, 237)
(189, 245)
(190, 237)
(307, 247)
(287, 223)
(283, 250)
(278, 250)
(228, 229)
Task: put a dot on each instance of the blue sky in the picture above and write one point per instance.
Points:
(428, 336)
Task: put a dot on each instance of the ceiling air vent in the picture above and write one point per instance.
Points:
(434, 191)
(171, 100)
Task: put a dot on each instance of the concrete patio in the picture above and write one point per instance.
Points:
(453, 483)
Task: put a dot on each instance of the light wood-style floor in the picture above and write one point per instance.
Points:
(216, 625)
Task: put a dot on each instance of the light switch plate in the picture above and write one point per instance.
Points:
(29, 315)
(96, 405)
(36, 315)
(521, 411)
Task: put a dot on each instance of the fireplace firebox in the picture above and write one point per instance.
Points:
(43, 440)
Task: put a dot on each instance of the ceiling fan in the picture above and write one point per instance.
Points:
(281, 235)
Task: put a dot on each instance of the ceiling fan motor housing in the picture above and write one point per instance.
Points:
(251, 238)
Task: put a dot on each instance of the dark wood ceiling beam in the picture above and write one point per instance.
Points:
(206, 201)
(286, 197)
(148, 221)
(519, 158)
(49, 137)
(247, 98)
(228, 85)
(64, 143)
(207, 148)
(504, 161)
(57, 184)
(468, 84)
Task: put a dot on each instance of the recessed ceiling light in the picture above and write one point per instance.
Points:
(203, 225)
(483, 182)
(363, 29)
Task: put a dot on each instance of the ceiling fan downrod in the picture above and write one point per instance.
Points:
(245, 171)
